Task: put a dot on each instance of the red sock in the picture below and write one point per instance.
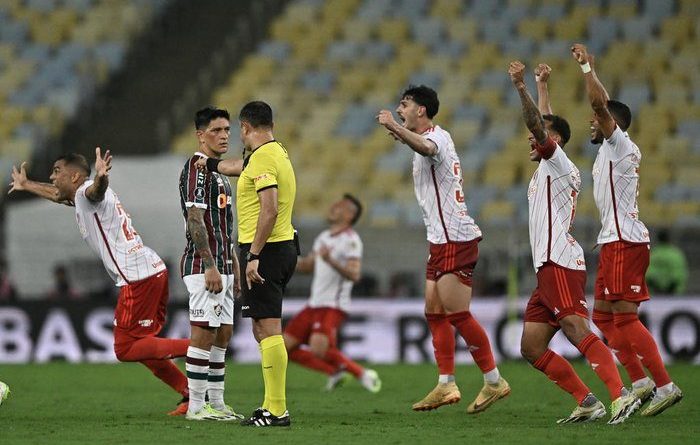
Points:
(307, 359)
(619, 344)
(443, 342)
(644, 346)
(151, 348)
(476, 338)
(338, 359)
(168, 373)
(558, 370)
(602, 362)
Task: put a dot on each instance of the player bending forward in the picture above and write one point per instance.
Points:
(559, 301)
(137, 270)
(453, 237)
(335, 261)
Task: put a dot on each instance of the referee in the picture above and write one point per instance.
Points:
(265, 199)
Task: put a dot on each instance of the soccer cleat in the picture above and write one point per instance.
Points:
(181, 409)
(644, 392)
(623, 407)
(582, 414)
(370, 381)
(209, 413)
(662, 402)
(263, 417)
(442, 394)
(337, 379)
(489, 395)
(4, 392)
(230, 412)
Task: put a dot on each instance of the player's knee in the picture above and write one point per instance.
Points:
(531, 352)
(575, 328)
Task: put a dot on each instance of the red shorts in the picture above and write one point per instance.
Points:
(325, 320)
(621, 269)
(560, 292)
(458, 258)
(141, 308)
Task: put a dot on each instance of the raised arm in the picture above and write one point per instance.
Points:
(40, 189)
(96, 191)
(418, 143)
(228, 167)
(542, 72)
(597, 94)
(349, 271)
(531, 115)
(198, 233)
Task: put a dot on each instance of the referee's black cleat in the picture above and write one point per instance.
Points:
(263, 417)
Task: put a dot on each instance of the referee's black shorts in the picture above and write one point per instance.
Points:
(277, 263)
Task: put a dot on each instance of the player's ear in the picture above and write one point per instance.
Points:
(200, 134)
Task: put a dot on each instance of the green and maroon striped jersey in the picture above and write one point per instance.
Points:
(211, 192)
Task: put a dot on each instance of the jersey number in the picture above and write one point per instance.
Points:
(127, 228)
(457, 171)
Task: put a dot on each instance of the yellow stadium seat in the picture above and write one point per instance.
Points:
(497, 211)
(534, 28)
(677, 210)
(464, 30)
(393, 31)
(446, 9)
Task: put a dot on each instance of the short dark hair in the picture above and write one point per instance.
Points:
(358, 207)
(621, 113)
(560, 125)
(76, 160)
(208, 114)
(425, 97)
(257, 114)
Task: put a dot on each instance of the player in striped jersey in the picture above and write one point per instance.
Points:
(136, 269)
(624, 256)
(209, 268)
(453, 238)
(559, 301)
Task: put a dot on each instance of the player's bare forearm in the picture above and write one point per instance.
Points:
(45, 190)
(199, 236)
(531, 115)
(96, 191)
(598, 97)
(306, 264)
(266, 219)
(418, 143)
(543, 103)
(350, 271)
(231, 167)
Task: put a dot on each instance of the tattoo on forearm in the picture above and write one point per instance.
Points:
(533, 117)
(198, 233)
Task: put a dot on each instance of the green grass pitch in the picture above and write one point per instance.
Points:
(62, 403)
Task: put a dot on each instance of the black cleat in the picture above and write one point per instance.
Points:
(263, 417)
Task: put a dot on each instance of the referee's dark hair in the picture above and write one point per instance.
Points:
(257, 114)
(358, 207)
(208, 114)
(76, 160)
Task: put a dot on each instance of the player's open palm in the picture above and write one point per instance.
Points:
(103, 164)
(19, 178)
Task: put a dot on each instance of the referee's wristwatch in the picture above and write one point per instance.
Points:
(250, 256)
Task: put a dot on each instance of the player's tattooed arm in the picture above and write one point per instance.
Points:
(597, 94)
(20, 182)
(198, 233)
(542, 72)
(96, 191)
(531, 115)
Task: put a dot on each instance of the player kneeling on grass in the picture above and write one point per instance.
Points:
(136, 269)
(559, 300)
(336, 263)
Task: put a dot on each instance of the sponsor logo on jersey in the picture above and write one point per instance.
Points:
(636, 288)
(196, 312)
(145, 323)
(223, 200)
(583, 303)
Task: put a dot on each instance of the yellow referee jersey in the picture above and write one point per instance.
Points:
(268, 166)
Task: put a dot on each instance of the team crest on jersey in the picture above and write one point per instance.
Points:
(218, 309)
(199, 193)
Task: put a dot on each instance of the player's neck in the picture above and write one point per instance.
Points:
(209, 153)
(259, 139)
(424, 126)
(338, 228)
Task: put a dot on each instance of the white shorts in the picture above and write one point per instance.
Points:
(206, 308)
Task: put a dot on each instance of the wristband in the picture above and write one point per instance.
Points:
(252, 256)
(586, 68)
(213, 165)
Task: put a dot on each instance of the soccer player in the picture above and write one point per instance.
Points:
(209, 268)
(453, 242)
(137, 270)
(559, 301)
(336, 261)
(4, 392)
(624, 256)
(268, 247)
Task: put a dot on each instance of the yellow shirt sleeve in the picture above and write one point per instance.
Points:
(262, 169)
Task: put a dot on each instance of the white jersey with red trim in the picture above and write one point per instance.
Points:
(437, 181)
(551, 197)
(329, 288)
(106, 228)
(615, 189)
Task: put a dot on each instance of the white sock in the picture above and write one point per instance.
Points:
(492, 377)
(641, 382)
(197, 367)
(217, 373)
(446, 378)
(664, 390)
